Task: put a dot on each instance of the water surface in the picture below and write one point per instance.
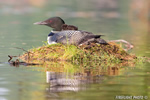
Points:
(116, 19)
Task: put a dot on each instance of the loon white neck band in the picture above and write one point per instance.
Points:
(55, 31)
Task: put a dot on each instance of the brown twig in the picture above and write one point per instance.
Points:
(28, 52)
(17, 62)
(22, 49)
(128, 45)
(10, 57)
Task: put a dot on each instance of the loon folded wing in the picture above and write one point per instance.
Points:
(74, 37)
(64, 37)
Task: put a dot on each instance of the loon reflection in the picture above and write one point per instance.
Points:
(60, 82)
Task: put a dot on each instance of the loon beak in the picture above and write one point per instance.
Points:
(40, 23)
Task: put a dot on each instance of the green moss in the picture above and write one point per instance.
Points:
(86, 53)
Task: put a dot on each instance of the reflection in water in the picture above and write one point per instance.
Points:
(3, 91)
(61, 82)
(113, 71)
(78, 80)
(83, 79)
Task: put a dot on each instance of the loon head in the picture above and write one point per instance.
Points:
(54, 22)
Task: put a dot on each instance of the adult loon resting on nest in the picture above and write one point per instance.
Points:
(75, 36)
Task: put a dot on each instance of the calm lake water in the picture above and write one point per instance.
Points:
(116, 19)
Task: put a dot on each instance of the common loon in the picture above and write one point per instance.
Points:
(70, 35)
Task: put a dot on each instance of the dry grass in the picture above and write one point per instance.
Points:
(85, 53)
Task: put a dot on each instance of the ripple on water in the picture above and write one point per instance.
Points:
(3, 91)
(2, 98)
(1, 64)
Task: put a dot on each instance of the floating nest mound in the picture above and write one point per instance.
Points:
(79, 54)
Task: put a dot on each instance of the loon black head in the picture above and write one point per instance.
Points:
(54, 22)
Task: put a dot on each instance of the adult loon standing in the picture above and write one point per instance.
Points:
(76, 37)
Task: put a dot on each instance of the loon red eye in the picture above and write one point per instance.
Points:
(50, 21)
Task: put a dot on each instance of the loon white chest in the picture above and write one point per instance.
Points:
(51, 39)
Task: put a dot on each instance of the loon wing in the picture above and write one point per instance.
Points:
(88, 37)
(75, 37)
(68, 36)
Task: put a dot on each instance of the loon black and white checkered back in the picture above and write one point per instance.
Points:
(70, 37)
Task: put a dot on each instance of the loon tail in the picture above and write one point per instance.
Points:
(101, 41)
(93, 38)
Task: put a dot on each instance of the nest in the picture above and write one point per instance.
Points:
(111, 52)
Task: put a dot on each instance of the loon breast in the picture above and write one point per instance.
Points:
(51, 38)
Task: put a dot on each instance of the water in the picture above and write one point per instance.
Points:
(117, 19)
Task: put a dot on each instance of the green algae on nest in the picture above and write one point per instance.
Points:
(85, 53)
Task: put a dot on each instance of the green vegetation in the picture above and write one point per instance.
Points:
(111, 53)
